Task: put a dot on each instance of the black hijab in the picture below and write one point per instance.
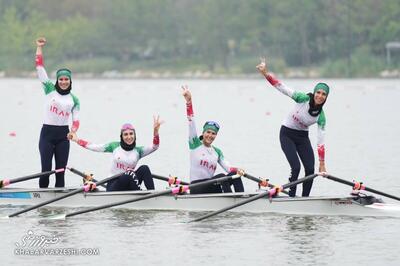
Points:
(125, 146)
(61, 91)
(314, 109)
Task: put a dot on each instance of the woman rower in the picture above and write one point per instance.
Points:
(294, 131)
(60, 105)
(126, 155)
(204, 157)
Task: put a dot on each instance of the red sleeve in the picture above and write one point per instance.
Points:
(82, 143)
(156, 140)
(39, 60)
(272, 79)
(189, 109)
(321, 152)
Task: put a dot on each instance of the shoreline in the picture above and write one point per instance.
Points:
(139, 74)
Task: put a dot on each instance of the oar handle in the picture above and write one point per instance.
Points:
(6, 182)
(82, 174)
(343, 181)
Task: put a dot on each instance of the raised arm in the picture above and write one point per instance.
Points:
(41, 71)
(106, 147)
(280, 86)
(194, 140)
(144, 151)
(321, 141)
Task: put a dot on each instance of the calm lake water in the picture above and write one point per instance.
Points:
(361, 141)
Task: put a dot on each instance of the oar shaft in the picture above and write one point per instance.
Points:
(167, 179)
(340, 180)
(253, 178)
(82, 174)
(258, 180)
(253, 198)
(28, 177)
(153, 195)
(118, 203)
(381, 193)
(261, 195)
(211, 181)
(46, 202)
(337, 179)
(62, 196)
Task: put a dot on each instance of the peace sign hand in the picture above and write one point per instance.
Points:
(262, 67)
(186, 93)
(156, 124)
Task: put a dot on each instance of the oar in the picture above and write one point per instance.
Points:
(360, 186)
(6, 182)
(170, 180)
(259, 181)
(73, 192)
(270, 193)
(175, 190)
(85, 176)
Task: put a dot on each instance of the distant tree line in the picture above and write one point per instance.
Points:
(339, 38)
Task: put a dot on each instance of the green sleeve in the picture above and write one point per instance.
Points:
(194, 143)
(300, 97)
(219, 152)
(321, 120)
(48, 87)
(140, 150)
(77, 104)
(110, 147)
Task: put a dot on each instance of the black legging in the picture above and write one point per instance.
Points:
(132, 180)
(53, 141)
(295, 142)
(218, 188)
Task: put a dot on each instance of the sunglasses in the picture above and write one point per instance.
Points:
(211, 123)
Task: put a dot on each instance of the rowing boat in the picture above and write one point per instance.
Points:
(349, 206)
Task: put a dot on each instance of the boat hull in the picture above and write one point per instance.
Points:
(205, 202)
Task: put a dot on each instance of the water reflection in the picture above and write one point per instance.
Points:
(130, 218)
(154, 238)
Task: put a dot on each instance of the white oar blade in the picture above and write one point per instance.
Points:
(4, 217)
(61, 216)
(385, 206)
